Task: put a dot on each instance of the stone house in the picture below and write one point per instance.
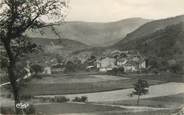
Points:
(131, 66)
(106, 64)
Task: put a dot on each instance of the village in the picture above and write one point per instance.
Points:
(123, 61)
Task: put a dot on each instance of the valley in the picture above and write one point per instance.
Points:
(92, 68)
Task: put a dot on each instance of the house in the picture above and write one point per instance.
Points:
(47, 70)
(142, 64)
(106, 64)
(131, 61)
(131, 66)
(58, 67)
(136, 58)
(120, 62)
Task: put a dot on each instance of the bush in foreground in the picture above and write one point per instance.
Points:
(80, 99)
(7, 110)
(30, 110)
(56, 99)
(61, 99)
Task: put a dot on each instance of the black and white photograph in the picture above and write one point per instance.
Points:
(91, 57)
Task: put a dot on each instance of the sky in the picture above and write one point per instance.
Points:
(112, 10)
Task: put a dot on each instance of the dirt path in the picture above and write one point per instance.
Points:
(166, 89)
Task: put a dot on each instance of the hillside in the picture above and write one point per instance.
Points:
(162, 43)
(164, 48)
(149, 28)
(59, 45)
(131, 41)
(91, 33)
(65, 43)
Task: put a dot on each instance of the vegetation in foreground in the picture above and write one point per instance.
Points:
(140, 88)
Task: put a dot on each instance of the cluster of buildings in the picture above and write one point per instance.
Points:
(130, 61)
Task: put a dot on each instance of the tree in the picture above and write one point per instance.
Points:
(70, 67)
(176, 68)
(36, 68)
(140, 88)
(91, 60)
(16, 17)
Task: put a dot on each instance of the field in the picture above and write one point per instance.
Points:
(89, 109)
(171, 101)
(165, 89)
(73, 108)
(83, 83)
(72, 84)
(107, 90)
(80, 78)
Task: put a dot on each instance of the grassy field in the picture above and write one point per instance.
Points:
(71, 84)
(89, 109)
(161, 112)
(64, 108)
(166, 77)
(79, 84)
(79, 78)
(82, 83)
(172, 101)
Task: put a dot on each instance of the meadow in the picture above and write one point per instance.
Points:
(89, 109)
(72, 84)
(61, 84)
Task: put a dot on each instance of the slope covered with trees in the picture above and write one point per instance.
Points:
(150, 28)
(164, 48)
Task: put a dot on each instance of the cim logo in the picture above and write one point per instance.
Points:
(22, 105)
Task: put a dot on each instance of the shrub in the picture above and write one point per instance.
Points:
(30, 110)
(61, 99)
(26, 97)
(7, 110)
(84, 98)
(176, 68)
(56, 99)
(44, 99)
(36, 69)
(69, 67)
(80, 99)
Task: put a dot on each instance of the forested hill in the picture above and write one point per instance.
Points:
(164, 48)
(149, 28)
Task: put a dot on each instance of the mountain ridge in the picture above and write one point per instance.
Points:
(151, 27)
(91, 33)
